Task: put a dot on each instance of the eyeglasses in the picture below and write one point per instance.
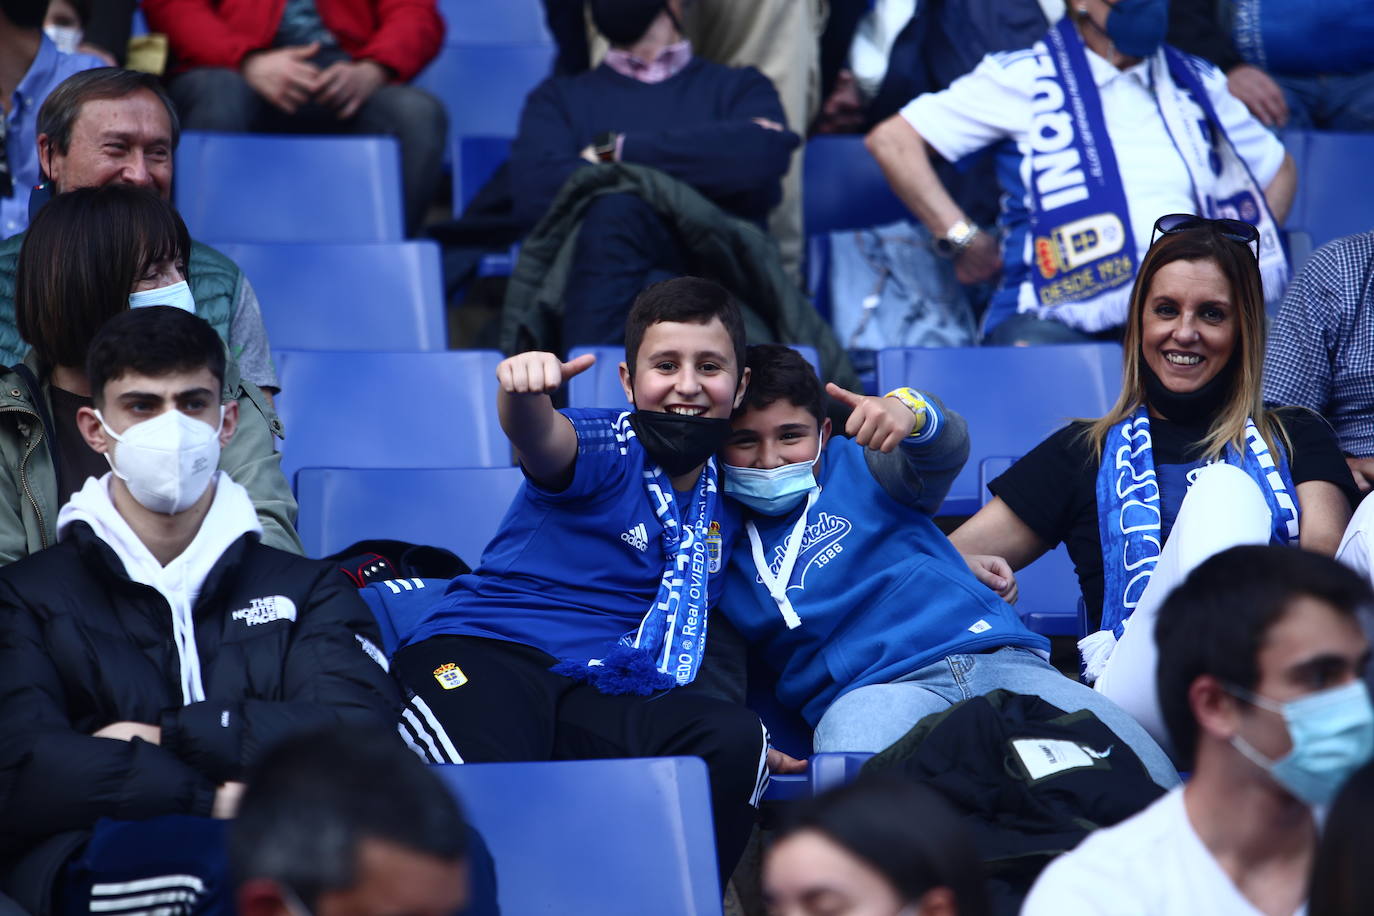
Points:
(1233, 229)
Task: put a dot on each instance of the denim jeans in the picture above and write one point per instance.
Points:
(872, 718)
(212, 98)
(1332, 101)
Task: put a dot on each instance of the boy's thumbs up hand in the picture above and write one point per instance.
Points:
(537, 372)
(876, 423)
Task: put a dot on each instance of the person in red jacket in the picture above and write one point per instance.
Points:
(297, 66)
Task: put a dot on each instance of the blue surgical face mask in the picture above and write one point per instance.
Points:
(1333, 735)
(1137, 27)
(773, 491)
(178, 294)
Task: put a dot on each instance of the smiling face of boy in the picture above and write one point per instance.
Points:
(686, 368)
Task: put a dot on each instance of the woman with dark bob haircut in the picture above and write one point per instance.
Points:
(1190, 422)
(88, 255)
(881, 846)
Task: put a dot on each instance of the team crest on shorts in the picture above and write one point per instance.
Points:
(450, 676)
(713, 547)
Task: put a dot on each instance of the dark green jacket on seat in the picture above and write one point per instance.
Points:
(731, 251)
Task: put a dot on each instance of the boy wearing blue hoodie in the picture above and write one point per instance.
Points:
(869, 615)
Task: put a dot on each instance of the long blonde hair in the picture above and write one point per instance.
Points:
(1246, 400)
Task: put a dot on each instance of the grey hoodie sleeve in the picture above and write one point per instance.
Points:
(919, 472)
(251, 459)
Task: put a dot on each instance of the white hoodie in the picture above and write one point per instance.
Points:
(230, 517)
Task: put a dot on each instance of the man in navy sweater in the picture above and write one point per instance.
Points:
(718, 129)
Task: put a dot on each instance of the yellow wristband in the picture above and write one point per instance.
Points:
(912, 399)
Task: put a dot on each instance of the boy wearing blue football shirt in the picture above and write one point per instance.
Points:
(590, 605)
(871, 618)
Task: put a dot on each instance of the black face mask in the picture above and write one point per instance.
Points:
(676, 442)
(624, 22)
(1191, 408)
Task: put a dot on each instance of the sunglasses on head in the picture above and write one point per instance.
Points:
(1233, 229)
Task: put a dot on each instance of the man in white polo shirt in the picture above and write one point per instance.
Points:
(1260, 659)
(1098, 130)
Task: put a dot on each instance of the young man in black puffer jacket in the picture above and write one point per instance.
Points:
(158, 649)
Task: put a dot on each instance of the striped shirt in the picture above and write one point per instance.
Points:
(1321, 347)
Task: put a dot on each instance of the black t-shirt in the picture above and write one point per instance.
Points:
(1053, 489)
(75, 459)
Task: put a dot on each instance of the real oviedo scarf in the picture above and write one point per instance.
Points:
(667, 648)
(1083, 252)
(1128, 514)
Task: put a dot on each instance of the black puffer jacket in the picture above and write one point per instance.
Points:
(281, 649)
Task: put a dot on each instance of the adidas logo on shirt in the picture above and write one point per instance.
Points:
(637, 537)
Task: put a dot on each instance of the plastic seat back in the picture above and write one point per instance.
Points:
(843, 187)
(456, 508)
(611, 837)
(348, 408)
(498, 22)
(1011, 397)
(475, 159)
(1049, 600)
(283, 188)
(1335, 184)
(347, 296)
(483, 86)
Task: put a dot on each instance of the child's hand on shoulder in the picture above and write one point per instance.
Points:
(876, 423)
(538, 372)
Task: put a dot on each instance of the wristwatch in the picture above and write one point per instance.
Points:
(957, 240)
(604, 146)
(912, 399)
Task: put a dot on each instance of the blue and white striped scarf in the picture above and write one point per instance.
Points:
(1128, 518)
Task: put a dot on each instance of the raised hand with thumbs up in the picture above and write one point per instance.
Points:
(876, 423)
(545, 442)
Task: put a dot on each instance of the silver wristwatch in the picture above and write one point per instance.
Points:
(957, 240)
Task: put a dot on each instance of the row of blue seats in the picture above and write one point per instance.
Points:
(652, 849)
(1011, 397)
(354, 194)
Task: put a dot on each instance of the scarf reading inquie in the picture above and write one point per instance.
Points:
(1128, 520)
(667, 648)
(1083, 250)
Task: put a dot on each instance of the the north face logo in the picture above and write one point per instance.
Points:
(266, 610)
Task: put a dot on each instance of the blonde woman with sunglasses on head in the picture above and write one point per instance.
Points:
(1190, 460)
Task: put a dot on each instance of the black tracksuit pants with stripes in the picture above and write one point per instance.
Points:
(482, 700)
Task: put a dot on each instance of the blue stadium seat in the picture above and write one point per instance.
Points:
(1335, 185)
(346, 408)
(483, 87)
(611, 837)
(1011, 397)
(599, 386)
(494, 21)
(832, 770)
(475, 159)
(456, 508)
(280, 188)
(1049, 601)
(347, 296)
(843, 188)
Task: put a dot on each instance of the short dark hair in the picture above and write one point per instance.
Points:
(691, 300)
(79, 261)
(153, 341)
(315, 797)
(1343, 873)
(63, 105)
(25, 14)
(905, 831)
(780, 373)
(1216, 621)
